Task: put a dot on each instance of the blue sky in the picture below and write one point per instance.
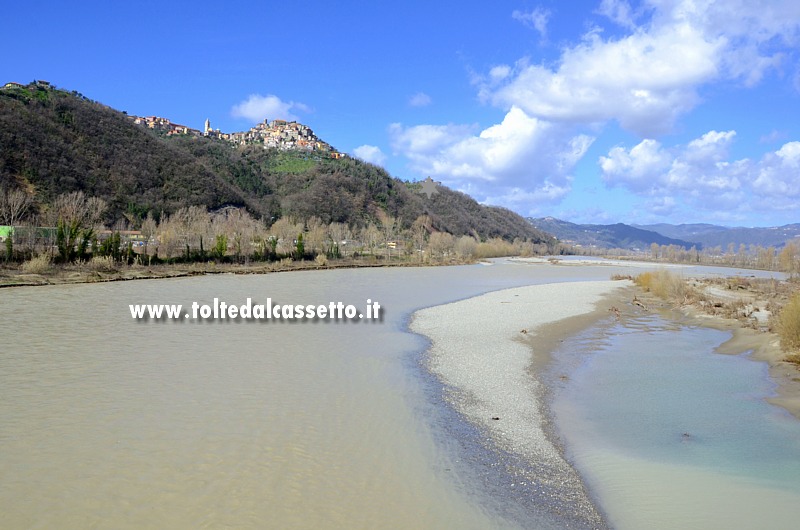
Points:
(593, 111)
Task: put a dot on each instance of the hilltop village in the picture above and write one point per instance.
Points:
(275, 134)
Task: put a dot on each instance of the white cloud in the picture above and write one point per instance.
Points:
(755, 31)
(634, 168)
(426, 141)
(635, 80)
(618, 11)
(648, 78)
(520, 160)
(645, 75)
(258, 108)
(777, 181)
(371, 154)
(500, 72)
(700, 176)
(536, 19)
(663, 206)
(420, 99)
(773, 136)
(698, 168)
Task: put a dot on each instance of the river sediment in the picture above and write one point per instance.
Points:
(481, 352)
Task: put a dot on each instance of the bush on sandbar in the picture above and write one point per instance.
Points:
(663, 284)
(788, 327)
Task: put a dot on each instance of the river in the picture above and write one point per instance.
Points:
(111, 422)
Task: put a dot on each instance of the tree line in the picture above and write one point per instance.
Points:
(772, 258)
(72, 230)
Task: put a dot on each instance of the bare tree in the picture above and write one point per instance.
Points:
(149, 228)
(789, 258)
(465, 247)
(76, 217)
(285, 230)
(341, 236)
(168, 242)
(420, 229)
(315, 236)
(766, 257)
(75, 207)
(388, 226)
(441, 244)
(371, 237)
(14, 206)
(241, 229)
(187, 227)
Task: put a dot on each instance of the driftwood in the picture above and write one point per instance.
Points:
(638, 302)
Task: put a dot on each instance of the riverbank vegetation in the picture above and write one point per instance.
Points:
(785, 258)
(788, 327)
(71, 238)
(763, 304)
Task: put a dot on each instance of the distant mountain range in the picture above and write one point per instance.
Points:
(709, 235)
(640, 237)
(605, 236)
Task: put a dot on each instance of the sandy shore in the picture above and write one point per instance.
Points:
(481, 351)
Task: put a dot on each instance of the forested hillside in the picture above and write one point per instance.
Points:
(54, 142)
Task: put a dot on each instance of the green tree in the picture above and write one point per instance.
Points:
(220, 246)
(333, 251)
(72, 240)
(9, 246)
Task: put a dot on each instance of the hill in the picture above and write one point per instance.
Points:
(605, 236)
(710, 236)
(53, 141)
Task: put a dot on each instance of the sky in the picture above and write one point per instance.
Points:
(604, 111)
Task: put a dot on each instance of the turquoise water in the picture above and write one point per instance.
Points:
(669, 433)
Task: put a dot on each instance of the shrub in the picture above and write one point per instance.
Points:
(663, 284)
(494, 248)
(101, 264)
(37, 265)
(466, 247)
(321, 260)
(789, 324)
